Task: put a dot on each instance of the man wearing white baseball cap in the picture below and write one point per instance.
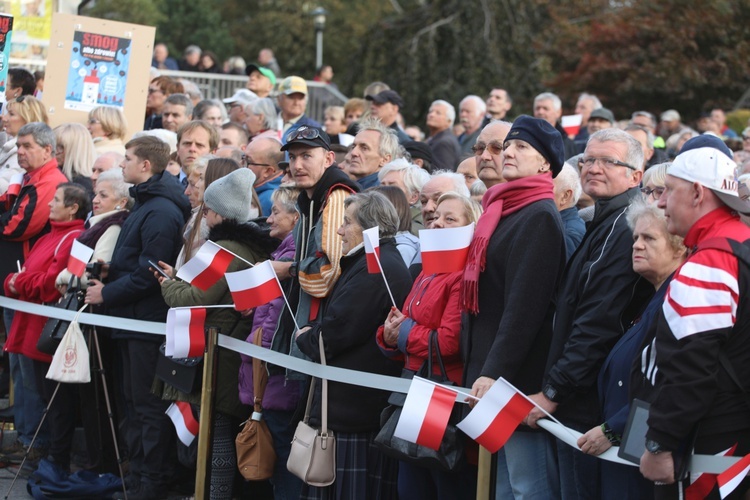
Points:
(693, 371)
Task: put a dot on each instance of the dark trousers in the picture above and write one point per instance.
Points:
(148, 433)
(61, 415)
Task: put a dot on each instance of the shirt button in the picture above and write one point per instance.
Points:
(619, 383)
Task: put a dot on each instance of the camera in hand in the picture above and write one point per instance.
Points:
(94, 270)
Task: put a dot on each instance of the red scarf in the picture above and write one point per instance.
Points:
(499, 201)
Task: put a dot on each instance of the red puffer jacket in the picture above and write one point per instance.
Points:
(37, 284)
(432, 304)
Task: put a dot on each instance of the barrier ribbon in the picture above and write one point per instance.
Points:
(699, 463)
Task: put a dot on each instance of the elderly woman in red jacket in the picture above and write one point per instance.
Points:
(432, 305)
(36, 283)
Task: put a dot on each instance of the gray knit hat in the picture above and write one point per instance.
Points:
(230, 196)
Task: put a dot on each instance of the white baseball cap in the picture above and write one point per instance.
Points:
(712, 168)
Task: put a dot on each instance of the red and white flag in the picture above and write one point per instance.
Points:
(80, 255)
(425, 415)
(733, 476)
(207, 267)
(371, 238)
(186, 332)
(572, 124)
(16, 182)
(496, 416)
(445, 250)
(702, 483)
(184, 422)
(254, 287)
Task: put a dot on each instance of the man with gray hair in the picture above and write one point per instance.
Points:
(646, 140)
(567, 191)
(262, 156)
(442, 181)
(191, 57)
(585, 105)
(548, 107)
(177, 111)
(23, 219)
(374, 146)
(444, 145)
(471, 112)
(599, 295)
(106, 161)
(410, 179)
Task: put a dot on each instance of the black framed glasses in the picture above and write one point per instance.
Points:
(246, 161)
(154, 90)
(588, 162)
(495, 148)
(306, 133)
(655, 192)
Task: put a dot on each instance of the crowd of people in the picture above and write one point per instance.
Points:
(606, 264)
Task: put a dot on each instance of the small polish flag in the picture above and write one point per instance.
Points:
(496, 416)
(254, 287)
(16, 182)
(80, 255)
(186, 328)
(207, 267)
(184, 422)
(733, 476)
(445, 250)
(372, 246)
(572, 124)
(425, 415)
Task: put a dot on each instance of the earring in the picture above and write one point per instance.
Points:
(117, 207)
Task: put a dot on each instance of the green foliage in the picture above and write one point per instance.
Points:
(146, 12)
(737, 120)
(200, 23)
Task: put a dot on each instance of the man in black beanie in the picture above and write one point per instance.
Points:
(599, 296)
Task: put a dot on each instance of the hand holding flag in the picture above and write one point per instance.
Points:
(207, 267)
(496, 416)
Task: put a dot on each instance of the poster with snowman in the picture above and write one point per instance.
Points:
(98, 71)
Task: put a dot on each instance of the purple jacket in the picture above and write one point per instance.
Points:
(280, 394)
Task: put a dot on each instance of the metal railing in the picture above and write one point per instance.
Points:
(220, 86)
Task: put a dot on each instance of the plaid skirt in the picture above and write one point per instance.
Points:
(362, 472)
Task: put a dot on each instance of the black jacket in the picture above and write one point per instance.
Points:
(511, 334)
(357, 306)
(599, 297)
(153, 231)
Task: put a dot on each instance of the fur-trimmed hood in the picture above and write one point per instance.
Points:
(254, 234)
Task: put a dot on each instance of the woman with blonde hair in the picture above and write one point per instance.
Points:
(108, 127)
(20, 111)
(75, 154)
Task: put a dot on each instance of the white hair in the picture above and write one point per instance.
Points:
(450, 111)
(459, 183)
(568, 178)
(166, 136)
(590, 97)
(481, 105)
(549, 96)
(414, 177)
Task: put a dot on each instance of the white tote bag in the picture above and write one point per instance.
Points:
(70, 364)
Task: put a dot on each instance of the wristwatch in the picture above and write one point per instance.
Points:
(293, 269)
(653, 447)
(550, 393)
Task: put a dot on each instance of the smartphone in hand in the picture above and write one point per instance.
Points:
(159, 269)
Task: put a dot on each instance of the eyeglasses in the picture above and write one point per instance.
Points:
(746, 137)
(306, 133)
(607, 162)
(246, 161)
(93, 121)
(495, 148)
(154, 91)
(655, 192)
(205, 210)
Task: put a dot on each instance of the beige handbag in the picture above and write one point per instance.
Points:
(313, 454)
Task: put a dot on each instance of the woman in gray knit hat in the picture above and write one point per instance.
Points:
(227, 204)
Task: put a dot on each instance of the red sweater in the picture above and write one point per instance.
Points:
(37, 284)
(433, 304)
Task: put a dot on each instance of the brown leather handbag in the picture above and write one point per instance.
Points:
(256, 457)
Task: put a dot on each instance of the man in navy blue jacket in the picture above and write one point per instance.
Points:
(152, 232)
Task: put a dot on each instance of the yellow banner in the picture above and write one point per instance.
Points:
(34, 17)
